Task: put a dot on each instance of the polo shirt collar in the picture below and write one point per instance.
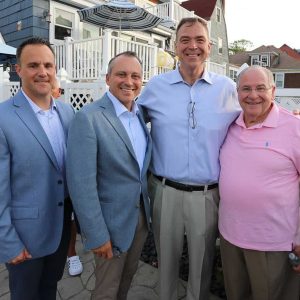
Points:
(270, 121)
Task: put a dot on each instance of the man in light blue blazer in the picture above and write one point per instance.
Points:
(34, 212)
(108, 156)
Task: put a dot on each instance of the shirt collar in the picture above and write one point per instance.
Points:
(119, 107)
(270, 121)
(35, 107)
(176, 76)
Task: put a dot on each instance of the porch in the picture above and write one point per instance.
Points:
(87, 60)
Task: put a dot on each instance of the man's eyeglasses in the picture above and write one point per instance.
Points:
(192, 117)
(259, 89)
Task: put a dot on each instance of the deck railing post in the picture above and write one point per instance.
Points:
(69, 56)
(106, 51)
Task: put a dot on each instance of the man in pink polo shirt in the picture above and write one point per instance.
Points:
(259, 190)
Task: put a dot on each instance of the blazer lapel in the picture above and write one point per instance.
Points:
(111, 116)
(63, 118)
(26, 114)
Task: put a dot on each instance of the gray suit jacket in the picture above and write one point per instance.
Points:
(104, 177)
(31, 184)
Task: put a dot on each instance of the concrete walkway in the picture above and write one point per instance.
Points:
(144, 285)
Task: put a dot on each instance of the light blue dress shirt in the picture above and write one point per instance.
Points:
(189, 124)
(50, 121)
(132, 126)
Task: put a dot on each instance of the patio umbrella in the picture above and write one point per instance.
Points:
(6, 49)
(120, 15)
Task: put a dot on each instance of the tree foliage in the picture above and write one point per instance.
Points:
(240, 46)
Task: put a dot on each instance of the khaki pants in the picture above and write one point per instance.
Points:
(258, 275)
(114, 276)
(175, 213)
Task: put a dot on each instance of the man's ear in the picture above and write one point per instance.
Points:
(18, 69)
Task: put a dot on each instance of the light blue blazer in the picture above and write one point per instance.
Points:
(31, 184)
(104, 177)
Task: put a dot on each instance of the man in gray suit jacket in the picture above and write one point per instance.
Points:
(34, 212)
(108, 156)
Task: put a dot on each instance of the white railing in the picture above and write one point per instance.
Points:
(171, 11)
(216, 68)
(87, 60)
(81, 59)
(160, 10)
(142, 3)
(180, 12)
(147, 53)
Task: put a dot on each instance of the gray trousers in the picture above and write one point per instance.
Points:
(175, 213)
(114, 276)
(258, 275)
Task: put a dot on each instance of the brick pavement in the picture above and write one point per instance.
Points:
(144, 286)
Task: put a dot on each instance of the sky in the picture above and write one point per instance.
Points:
(264, 22)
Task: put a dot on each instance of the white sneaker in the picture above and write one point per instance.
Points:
(74, 265)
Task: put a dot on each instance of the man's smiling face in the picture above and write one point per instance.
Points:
(125, 79)
(192, 45)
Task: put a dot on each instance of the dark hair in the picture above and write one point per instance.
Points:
(33, 41)
(192, 21)
(125, 53)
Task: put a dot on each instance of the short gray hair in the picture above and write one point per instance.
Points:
(256, 67)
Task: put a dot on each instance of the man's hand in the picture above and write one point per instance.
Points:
(24, 255)
(296, 250)
(104, 251)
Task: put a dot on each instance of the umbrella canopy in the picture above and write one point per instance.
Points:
(120, 15)
(6, 49)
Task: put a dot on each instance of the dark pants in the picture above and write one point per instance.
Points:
(36, 279)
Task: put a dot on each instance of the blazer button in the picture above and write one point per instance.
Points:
(59, 181)
(60, 203)
(138, 205)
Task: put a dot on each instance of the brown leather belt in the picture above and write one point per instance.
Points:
(185, 187)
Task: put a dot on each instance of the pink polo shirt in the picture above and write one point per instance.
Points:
(259, 183)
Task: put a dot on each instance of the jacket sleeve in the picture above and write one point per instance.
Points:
(82, 180)
(11, 244)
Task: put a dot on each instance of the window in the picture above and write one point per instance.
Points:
(265, 60)
(63, 24)
(218, 13)
(233, 74)
(255, 60)
(220, 46)
(279, 80)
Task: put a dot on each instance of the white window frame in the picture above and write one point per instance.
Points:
(279, 82)
(255, 58)
(267, 58)
(233, 74)
(77, 25)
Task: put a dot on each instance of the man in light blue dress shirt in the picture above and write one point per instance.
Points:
(109, 150)
(190, 110)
